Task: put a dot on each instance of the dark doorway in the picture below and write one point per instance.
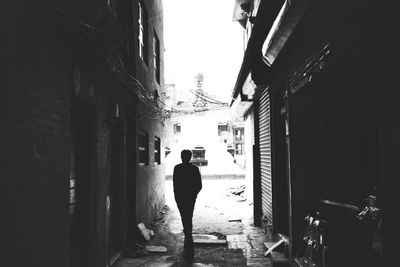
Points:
(116, 226)
(280, 175)
(131, 178)
(84, 154)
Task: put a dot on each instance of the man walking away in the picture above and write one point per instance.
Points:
(187, 184)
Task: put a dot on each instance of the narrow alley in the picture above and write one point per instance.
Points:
(289, 111)
(218, 212)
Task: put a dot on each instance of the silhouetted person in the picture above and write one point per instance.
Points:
(187, 184)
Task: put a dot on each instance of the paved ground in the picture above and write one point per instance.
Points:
(215, 206)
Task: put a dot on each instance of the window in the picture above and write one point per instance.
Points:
(199, 153)
(239, 134)
(167, 150)
(143, 149)
(238, 149)
(111, 4)
(142, 31)
(222, 127)
(156, 56)
(157, 152)
(177, 128)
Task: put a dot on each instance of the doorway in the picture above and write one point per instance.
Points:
(84, 155)
(280, 177)
(131, 176)
(116, 205)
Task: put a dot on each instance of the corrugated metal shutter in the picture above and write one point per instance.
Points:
(265, 154)
(249, 146)
(251, 118)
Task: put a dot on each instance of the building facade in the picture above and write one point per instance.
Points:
(82, 129)
(321, 106)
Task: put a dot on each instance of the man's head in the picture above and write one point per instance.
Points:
(186, 155)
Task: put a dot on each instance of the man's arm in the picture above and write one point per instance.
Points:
(198, 184)
(174, 175)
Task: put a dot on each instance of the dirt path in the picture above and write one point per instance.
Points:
(215, 206)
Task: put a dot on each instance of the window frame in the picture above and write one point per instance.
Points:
(142, 32)
(222, 127)
(176, 126)
(143, 148)
(157, 150)
(156, 57)
(238, 151)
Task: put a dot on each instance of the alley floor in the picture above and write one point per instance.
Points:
(217, 212)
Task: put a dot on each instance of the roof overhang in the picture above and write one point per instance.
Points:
(240, 107)
(241, 11)
(275, 22)
(267, 11)
(283, 26)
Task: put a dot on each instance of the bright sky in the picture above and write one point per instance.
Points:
(200, 36)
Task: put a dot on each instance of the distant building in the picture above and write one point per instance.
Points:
(204, 125)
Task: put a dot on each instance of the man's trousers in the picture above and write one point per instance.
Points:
(185, 205)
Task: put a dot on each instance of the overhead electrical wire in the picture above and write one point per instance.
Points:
(116, 65)
(206, 98)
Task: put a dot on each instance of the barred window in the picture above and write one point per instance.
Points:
(156, 57)
(157, 152)
(177, 127)
(143, 148)
(222, 127)
(142, 31)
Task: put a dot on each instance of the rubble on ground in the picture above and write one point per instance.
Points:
(146, 233)
(161, 249)
(238, 190)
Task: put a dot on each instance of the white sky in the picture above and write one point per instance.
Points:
(200, 36)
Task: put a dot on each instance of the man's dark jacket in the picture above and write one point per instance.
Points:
(187, 179)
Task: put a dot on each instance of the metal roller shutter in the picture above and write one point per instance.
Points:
(265, 154)
(251, 117)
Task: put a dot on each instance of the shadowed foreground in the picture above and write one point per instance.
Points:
(214, 208)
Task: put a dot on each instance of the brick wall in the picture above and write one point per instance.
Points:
(39, 57)
(34, 151)
(36, 81)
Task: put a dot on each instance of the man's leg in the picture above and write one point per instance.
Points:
(189, 214)
(182, 207)
(188, 243)
(186, 207)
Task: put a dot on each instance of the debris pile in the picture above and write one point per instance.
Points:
(143, 248)
(161, 249)
(239, 191)
(214, 238)
(146, 233)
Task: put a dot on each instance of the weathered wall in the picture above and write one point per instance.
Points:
(150, 180)
(46, 63)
